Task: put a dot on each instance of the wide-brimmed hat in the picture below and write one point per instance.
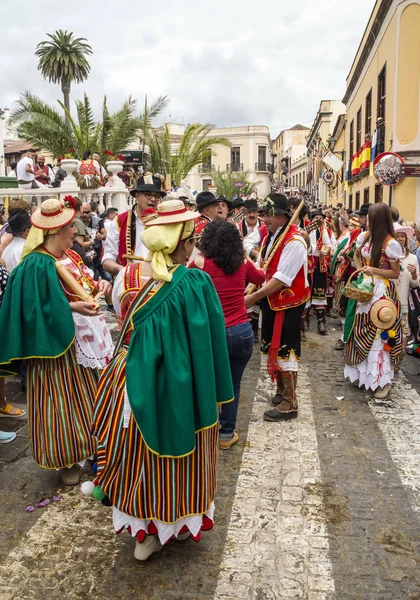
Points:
(251, 204)
(317, 212)
(18, 221)
(53, 214)
(171, 211)
(148, 183)
(354, 220)
(409, 231)
(224, 199)
(276, 204)
(237, 202)
(383, 313)
(205, 199)
(364, 209)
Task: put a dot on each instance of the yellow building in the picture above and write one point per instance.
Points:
(337, 145)
(299, 173)
(382, 104)
(288, 146)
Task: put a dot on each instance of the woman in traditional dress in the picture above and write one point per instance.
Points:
(370, 361)
(64, 340)
(89, 172)
(156, 412)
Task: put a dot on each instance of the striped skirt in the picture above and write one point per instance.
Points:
(61, 395)
(138, 482)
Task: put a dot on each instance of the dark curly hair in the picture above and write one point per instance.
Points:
(222, 242)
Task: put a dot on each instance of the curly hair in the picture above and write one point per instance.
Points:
(222, 242)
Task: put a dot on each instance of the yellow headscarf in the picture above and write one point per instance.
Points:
(161, 241)
(35, 239)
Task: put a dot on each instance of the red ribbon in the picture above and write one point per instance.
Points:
(272, 360)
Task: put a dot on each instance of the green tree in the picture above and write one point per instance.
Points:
(62, 59)
(194, 148)
(45, 126)
(225, 183)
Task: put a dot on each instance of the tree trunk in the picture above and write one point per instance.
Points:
(65, 88)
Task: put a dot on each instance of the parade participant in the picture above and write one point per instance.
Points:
(124, 234)
(225, 205)
(102, 171)
(19, 225)
(156, 410)
(209, 208)
(409, 275)
(89, 172)
(283, 299)
(222, 258)
(370, 359)
(43, 174)
(252, 229)
(362, 213)
(321, 251)
(64, 340)
(237, 208)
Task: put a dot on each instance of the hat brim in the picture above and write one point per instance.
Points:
(147, 188)
(188, 215)
(63, 218)
(374, 314)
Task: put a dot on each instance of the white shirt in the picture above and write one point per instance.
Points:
(21, 173)
(293, 257)
(252, 239)
(12, 252)
(113, 239)
(325, 241)
(12, 173)
(406, 282)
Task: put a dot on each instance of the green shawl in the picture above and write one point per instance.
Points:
(340, 246)
(35, 315)
(178, 364)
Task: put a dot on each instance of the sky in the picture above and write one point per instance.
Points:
(225, 62)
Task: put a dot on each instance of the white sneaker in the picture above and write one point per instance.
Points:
(150, 545)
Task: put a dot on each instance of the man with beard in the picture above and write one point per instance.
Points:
(253, 230)
(43, 174)
(123, 237)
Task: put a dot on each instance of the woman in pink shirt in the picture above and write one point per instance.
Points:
(222, 258)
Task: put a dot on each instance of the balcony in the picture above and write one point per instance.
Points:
(205, 168)
(235, 167)
(263, 167)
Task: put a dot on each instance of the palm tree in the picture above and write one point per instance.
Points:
(225, 183)
(149, 113)
(63, 59)
(195, 146)
(45, 126)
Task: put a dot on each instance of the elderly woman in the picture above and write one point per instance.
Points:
(63, 338)
(156, 409)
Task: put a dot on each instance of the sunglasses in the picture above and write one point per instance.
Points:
(149, 195)
(86, 212)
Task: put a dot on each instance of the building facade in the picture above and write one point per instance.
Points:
(298, 174)
(337, 190)
(383, 105)
(288, 147)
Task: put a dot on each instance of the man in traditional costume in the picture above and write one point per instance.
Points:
(321, 250)
(209, 207)
(123, 240)
(283, 298)
(49, 318)
(156, 414)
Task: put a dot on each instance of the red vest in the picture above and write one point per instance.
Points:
(122, 245)
(299, 292)
(44, 178)
(200, 222)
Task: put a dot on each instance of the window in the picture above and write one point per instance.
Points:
(351, 149)
(351, 201)
(235, 156)
(357, 200)
(366, 196)
(378, 193)
(262, 155)
(206, 183)
(206, 162)
(382, 93)
(359, 129)
(368, 114)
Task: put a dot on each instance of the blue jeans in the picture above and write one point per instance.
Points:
(240, 341)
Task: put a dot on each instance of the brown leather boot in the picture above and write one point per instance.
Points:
(279, 391)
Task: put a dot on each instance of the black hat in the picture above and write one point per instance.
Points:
(251, 204)
(224, 199)
(364, 209)
(277, 203)
(317, 212)
(148, 183)
(237, 202)
(205, 199)
(18, 221)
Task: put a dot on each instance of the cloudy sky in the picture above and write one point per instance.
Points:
(226, 62)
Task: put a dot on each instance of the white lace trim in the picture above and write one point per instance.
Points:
(93, 343)
(292, 364)
(375, 371)
(165, 530)
(378, 292)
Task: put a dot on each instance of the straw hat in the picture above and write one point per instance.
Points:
(409, 231)
(354, 220)
(52, 214)
(172, 211)
(383, 313)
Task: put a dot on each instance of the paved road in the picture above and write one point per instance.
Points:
(325, 507)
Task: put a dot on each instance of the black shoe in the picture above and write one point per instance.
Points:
(276, 400)
(322, 328)
(339, 345)
(276, 415)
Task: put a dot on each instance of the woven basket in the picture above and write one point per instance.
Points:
(355, 294)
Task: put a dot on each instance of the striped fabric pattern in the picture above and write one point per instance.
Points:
(61, 395)
(137, 481)
(364, 333)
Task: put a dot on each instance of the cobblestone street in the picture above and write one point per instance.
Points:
(325, 507)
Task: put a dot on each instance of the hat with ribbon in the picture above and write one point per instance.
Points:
(54, 214)
(148, 183)
(172, 211)
(383, 313)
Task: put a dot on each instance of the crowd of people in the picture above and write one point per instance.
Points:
(185, 285)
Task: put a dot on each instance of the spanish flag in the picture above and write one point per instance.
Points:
(365, 156)
(355, 164)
